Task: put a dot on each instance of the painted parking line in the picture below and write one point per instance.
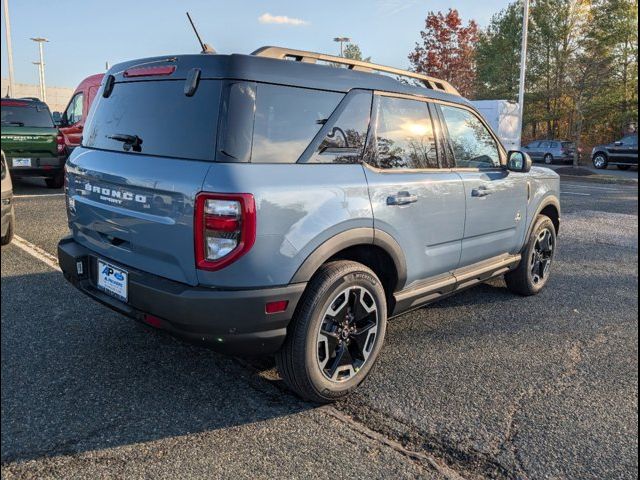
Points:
(36, 252)
(40, 195)
(589, 187)
(576, 193)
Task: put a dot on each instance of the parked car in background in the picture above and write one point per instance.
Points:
(8, 215)
(31, 142)
(623, 153)
(268, 204)
(72, 120)
(551, 151)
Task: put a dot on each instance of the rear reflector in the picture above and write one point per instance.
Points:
(276, 307)
(149, 71)
(153, 321)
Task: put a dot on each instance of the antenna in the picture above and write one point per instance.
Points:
(206, 48)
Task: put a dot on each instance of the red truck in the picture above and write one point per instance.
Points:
(73, 118)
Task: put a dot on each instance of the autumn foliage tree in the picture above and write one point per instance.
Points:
(447, 50)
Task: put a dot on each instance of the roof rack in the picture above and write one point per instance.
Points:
(311, 57)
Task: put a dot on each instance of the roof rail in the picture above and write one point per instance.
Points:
(311, 57)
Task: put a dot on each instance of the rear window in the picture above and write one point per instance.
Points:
(160, 115)
(568, 145)
(26, 116)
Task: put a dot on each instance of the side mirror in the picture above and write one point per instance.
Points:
(518, 161)
(57, 118)
(618, 143)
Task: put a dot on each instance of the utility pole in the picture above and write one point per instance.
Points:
(341, 40)
(7, 31)
(43, 88)
(523, 66)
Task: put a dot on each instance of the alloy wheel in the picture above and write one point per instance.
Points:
(347, 335)
(541, 257)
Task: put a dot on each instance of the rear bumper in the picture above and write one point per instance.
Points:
(232, 321)
(40, 167)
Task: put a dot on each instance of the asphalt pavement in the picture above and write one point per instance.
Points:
(481, 385)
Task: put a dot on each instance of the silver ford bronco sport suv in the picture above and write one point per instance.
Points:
(274, 203)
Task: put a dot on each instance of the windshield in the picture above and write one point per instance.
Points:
(26, 116)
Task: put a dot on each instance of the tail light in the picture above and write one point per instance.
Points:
(60, 143)
(225, 228)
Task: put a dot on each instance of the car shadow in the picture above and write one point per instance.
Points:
(78, 377)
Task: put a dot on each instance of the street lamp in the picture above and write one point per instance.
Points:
(341, 40)
(43, 88)
(523, 66)
(7, 31)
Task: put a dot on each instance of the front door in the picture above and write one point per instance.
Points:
(496, 199)
(419, 204)
(73, 121)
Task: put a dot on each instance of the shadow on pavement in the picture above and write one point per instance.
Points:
(78, 377)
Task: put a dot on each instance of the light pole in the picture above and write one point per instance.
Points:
(7, 31)
(523, 66)
(43, 89)
(341, 40)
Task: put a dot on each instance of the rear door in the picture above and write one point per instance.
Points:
(133, 202)
(496, 199)
(418, 203)
(533, 150)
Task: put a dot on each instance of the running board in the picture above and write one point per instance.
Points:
(450, 283)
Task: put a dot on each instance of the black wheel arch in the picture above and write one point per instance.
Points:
(370, 246)
(550, 207)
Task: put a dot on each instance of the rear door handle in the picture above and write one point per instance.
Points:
(481, 192)
(402, 198)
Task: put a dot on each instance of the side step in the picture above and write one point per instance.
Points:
(450, 283)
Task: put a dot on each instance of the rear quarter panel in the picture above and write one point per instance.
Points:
(299, 207)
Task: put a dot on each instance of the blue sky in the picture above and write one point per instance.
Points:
(84, 34)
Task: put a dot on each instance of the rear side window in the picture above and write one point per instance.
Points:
(26, 116)
(404, 134)
(286, 121)
(568, 145)
(473, 146)
(160, 115)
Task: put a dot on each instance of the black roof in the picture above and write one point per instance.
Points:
(283, 72)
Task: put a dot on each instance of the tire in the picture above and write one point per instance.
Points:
(624, 167)
(55, 182)
(548, 159)
(307, 360)
(600, 161)
(522, 280)
(6, 239)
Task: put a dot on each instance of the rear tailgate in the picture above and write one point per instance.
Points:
(29, 142)
(136, 211)
(133, 203)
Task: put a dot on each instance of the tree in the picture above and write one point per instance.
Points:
(352, 51)
(447, 50)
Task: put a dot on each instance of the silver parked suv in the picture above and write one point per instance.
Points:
(271, 203)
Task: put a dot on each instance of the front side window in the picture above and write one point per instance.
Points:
(345, 135)
(404, 134)
(473, 145)
(630, 140)
(74, 110)
(286, 121)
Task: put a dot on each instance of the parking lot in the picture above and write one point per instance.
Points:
(484, 384)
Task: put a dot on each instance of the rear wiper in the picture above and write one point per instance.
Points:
(130, 141)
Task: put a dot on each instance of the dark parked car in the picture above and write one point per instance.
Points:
(623, 153)
(551, 151)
